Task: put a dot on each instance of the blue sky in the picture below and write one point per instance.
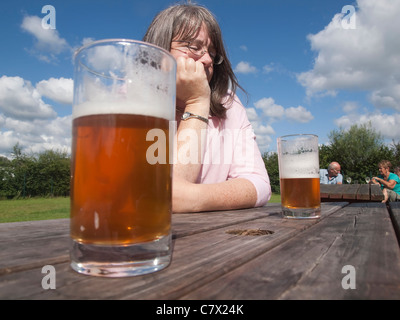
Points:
(304, 68)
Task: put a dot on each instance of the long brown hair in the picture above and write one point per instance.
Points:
(183, 22)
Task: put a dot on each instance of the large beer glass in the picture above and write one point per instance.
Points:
(121, 192)
(298, 159)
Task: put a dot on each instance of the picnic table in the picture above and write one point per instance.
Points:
(351, 192)
(351, 252)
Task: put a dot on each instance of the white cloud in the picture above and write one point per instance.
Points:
(299, 114)
(350, 107)
(48, 42)
(387, 125)
(263, 134)
(245, 68)
(27, 120)
(251, 114)
(364, 58)
(388, 96)
(268, 68)
(59, 90)
(20, 100)
(273, 112)
(24, 117)
(35, 136)
(270, 109)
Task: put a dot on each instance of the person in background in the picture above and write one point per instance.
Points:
(396, 170)
(389, 182)
(229, 172)
(331, 175)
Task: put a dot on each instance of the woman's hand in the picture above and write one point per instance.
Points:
(192, 88)
(374, 180)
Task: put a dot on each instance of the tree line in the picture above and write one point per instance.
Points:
(42, 175)
(358, 150)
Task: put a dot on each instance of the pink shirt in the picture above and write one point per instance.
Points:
(232, 152)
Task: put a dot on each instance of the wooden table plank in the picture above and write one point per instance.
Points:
(198, 258)
(395, 215)
(368, 238)
(350, 192)
(376, 193)
(33, 243)
(310, 265)
(363, 193)
(334, 190)
(184, 224)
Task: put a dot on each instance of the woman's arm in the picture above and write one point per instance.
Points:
(193, 93)
(386, 184)
(230, 194)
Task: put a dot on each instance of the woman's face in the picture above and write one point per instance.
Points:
(384, 171)
(179, 49)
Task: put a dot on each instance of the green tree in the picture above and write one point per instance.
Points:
(54, 171)
(47, 173)
(271, 163)
(358, 150)
(21, 167)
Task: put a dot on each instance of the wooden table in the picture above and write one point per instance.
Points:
(351, 192)
(352, 244)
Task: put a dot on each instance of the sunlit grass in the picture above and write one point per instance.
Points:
(34, 209)
(47, 208)
(275, 198)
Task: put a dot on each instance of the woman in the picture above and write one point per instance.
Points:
(219, 165)
(389, 182)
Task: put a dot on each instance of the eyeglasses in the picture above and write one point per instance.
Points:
(197, 50)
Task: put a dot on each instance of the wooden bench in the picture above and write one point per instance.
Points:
(351, 192)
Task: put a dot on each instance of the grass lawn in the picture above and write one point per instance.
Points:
(34, 209)
(45, 208)
(275, 198)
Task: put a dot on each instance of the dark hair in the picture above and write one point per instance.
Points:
(182, 22)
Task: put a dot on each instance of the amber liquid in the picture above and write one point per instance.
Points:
(117, 197)
(297, 193)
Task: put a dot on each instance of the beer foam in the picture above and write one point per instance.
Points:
(138, 96)
(305, 165)
(154, 109)
(124, 78)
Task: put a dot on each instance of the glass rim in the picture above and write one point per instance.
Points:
(112, 41)
(119, 40)
(299, 135)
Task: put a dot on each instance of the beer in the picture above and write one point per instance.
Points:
(117, 197)
(297, 193)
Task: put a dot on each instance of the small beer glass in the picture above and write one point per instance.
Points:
(298, 159)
